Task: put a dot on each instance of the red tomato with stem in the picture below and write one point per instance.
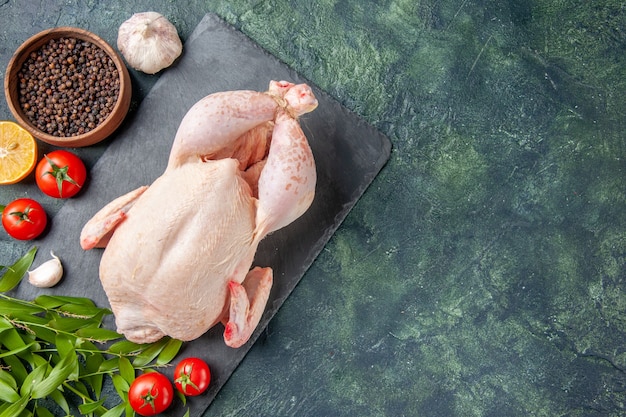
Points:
(60, 174)
(192, 376)
(150, 393)
(24, 219)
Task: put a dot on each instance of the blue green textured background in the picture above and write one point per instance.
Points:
(483, 272)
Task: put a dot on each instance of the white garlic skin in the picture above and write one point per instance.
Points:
(149, 42)
(48, 274)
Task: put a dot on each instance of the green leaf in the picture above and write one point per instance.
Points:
(7, 378)
(20, 343)
(93, 360)
(33, 379)
(94, 313)
(17, 350)
(129, 408)
(116, 411)
(18, 370)
(80, 387)
(120, 385)
(72, 306)
(43, 412)
(87, 349)
(126, 370)
(96, 381)
(58, 398)
(49, 302)
(109, 365)
(12, 339)
(12, 308)
(169, 352)
(181, 396)
(16, 408)
(125, 347)
(69, 324)
(90, 407)
(55, 301)
(67, 366)
(150, 353)
(99, 334)
(44, 333)
(5, 324)
(36, 361)
(15, 272)
(65, 344)
(8, 390)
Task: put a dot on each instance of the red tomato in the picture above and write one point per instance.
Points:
(60, 174)
(24, 219)
(150, 393)
(192, 376)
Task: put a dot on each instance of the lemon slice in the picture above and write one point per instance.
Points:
(18, 153)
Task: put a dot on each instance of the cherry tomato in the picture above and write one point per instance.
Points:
(192, 376)
(150, 393)
(60, 174)
(24, 219)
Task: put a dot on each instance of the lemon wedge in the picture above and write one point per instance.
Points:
(18, 153)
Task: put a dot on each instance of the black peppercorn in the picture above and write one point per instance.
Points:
(68, 77)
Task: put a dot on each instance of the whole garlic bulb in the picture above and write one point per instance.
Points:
(48, 274)
(149, 42)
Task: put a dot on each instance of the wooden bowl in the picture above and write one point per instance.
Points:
(105, 127)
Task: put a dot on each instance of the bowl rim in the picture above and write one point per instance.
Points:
(104, 128)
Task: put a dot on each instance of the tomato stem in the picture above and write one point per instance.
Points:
(148, 398)
(185, 379)
(23, 216)
(60, 174)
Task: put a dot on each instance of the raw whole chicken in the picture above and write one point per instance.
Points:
(240, 167)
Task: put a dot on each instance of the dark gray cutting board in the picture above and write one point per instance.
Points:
(348, 152)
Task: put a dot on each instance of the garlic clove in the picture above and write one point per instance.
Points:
(47, 274)
(149, 42)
